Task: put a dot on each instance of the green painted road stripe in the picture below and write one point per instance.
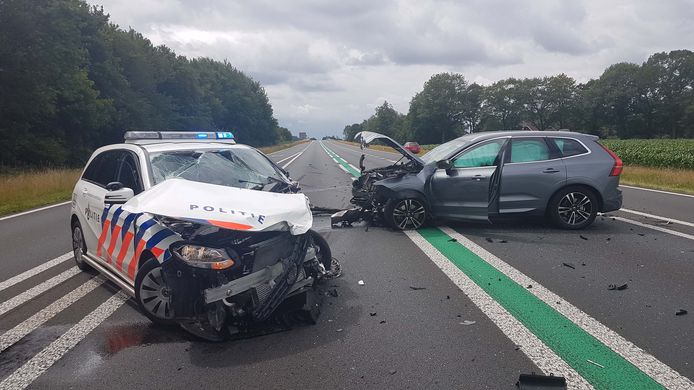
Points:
(573, 344)
(341, 161)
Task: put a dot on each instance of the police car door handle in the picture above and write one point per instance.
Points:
(85, 190)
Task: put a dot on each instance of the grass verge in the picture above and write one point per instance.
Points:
(29, 189)
(668, 179)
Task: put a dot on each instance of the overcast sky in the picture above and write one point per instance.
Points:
(326, 64)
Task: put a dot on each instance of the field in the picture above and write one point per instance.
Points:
(28, 189)
(660, 153)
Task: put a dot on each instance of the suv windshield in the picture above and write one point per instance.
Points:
(240, 168)
(442, 151)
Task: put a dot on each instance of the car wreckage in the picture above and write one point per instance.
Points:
(207, 234)
(565, 176)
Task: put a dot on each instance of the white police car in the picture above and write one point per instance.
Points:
(200, 230)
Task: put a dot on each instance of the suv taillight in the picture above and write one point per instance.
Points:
(618, 165)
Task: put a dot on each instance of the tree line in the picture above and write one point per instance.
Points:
(71, 81)
(651, 100)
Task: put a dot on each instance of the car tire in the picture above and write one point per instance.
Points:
(573, 208)
(79, 247)
(152, 295)
(405, 214)
(324, 254)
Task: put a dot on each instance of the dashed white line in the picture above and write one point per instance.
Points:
(18, 332)
(543, 357)
(641, 213)
(297, 156)
(34, 210)
(287, 158)
(27, 274)
(37, 365)
(645, 362)
(37, 290)
(659, 191)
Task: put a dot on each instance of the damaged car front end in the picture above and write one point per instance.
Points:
(378, 189)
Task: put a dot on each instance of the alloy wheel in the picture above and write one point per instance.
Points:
(575, 208)
(409, 214)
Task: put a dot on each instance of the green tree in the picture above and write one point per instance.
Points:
(436, 113)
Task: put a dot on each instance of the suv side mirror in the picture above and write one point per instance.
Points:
(444, 164)
(117, 193)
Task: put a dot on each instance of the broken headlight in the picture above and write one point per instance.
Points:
(204, 257)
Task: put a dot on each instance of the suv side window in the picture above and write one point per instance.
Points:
(103, 168)
(479, 156)
(569, 147)
(128, 173)
(528, 150)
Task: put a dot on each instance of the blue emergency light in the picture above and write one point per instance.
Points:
(148, 137)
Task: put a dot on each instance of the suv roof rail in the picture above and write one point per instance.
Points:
(154, 136)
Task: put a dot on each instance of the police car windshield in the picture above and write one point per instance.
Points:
(240, 168)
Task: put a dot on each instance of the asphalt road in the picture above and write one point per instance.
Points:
(62, 328)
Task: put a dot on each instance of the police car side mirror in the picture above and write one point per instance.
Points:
(117, 194)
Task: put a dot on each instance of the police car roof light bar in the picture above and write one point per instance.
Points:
(148, 137)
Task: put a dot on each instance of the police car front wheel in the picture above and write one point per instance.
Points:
(152, 294)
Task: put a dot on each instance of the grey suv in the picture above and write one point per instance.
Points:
(565, 176)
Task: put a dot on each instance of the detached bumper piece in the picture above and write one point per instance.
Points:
(541, 382)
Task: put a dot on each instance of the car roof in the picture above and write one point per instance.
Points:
(523, 133)
(173, 146)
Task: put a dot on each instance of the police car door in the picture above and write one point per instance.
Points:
(91, 192)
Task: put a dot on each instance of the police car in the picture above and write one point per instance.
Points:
(201, 231)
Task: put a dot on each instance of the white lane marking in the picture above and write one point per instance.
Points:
(287, 158)
(338, 163)
(37, 290)
(27, 274)
(644, 361)
(658, 228)
(657, 217)
(541, 355)
(37, 365)
(35, 210)
(659, 191)
(297, 156)
(18, 332)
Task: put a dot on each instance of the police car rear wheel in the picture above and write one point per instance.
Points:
(79, 248)
(152, 294)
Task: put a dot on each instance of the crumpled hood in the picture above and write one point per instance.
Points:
(369, 136)
(225, 207)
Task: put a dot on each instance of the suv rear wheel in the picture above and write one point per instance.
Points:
(573, 208)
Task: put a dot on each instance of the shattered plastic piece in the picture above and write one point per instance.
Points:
(530, 286)
(608, 238)
(468, 322)
(503, 241)
(339, 330)
(452, 240)
(382, 321)
(583, 237)
(597, 364)
(417, 288)
(361, 282)
(642, 234)
(372, 314)
(392, 372)
(489, 239)
(681, 312)
(569, 265)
